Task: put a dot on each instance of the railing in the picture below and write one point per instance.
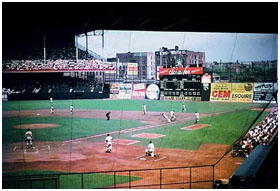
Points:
(159, 178)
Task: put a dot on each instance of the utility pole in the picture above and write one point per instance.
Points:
(77, 51)
(44, 49)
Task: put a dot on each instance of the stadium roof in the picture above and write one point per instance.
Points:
(67, 19)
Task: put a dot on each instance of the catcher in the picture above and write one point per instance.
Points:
(150, 151)
(28, 139)
(108, 142)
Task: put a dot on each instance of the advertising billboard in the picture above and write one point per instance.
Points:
(125, 91)
(242, 92)
(220, 92)
(180, 71)
(152, 92)
(138, 91)
(132, 69)
(206, 78)
(263, 92)
(114, 88)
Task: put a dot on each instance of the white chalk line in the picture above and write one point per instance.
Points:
(160, 159)
(133, 142)
(115, 132)
(140, 156)
(36, 152)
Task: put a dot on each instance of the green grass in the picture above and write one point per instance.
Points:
(70, 181)
(69, 129)
(224, 129)
(128, 105)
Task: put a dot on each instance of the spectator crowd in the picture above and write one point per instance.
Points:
(263, 133)
(56, 65)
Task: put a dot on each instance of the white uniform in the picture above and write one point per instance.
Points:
(71, 109)
(108, 142)
(51, 99)
(28, 138)
(196, 117)
(144, 108)
(52, 109)
(166, 118)
(151, 150)
(183, 107)
(172, 116)
(171, 113)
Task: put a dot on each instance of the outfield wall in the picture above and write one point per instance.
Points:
(214, 92)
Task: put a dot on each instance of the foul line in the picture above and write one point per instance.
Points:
(115, 132)
(31, 152)
(133, 142)
(140, 157)
(160, 159)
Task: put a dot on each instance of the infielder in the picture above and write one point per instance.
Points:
(71, 109)
(150, 151)
(108, 142)
(172, 116)
(144, 109)
(108, 115)
(52, 109)
(165, 117)
(51, 100)
(196, 117)
(28, 139)
(183, 107)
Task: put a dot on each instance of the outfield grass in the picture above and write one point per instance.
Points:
(69, 129)
(70, 181)
(128, 105)
(224, 129)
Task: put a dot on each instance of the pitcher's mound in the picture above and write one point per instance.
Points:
(36, 126)
(194, 127)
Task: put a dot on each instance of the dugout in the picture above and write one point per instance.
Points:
(245, 176)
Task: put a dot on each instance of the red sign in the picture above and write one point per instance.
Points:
(206, 79)
(180, 71)
(138, 91)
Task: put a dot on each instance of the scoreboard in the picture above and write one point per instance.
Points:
(181, 85)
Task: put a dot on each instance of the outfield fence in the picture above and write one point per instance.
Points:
(159, 178)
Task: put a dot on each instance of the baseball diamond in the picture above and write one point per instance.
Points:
(139, 96)
(80, 146)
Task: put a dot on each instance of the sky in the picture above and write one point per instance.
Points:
(217, 46)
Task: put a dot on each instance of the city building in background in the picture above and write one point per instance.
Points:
(145, 61)
(169, 58)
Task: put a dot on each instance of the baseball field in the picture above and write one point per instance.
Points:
(73, 145)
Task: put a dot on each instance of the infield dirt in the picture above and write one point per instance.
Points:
(84, 155)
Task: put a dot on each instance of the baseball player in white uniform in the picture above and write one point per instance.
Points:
(150, 151)
(172, 116)
(71, 109)
(51, 100)
(108, 142)
(28, 139)
(165, 117)
(144, 109)
(52, 109)
(196, 117)
(183, 107)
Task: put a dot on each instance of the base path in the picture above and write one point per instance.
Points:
(83, 155)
